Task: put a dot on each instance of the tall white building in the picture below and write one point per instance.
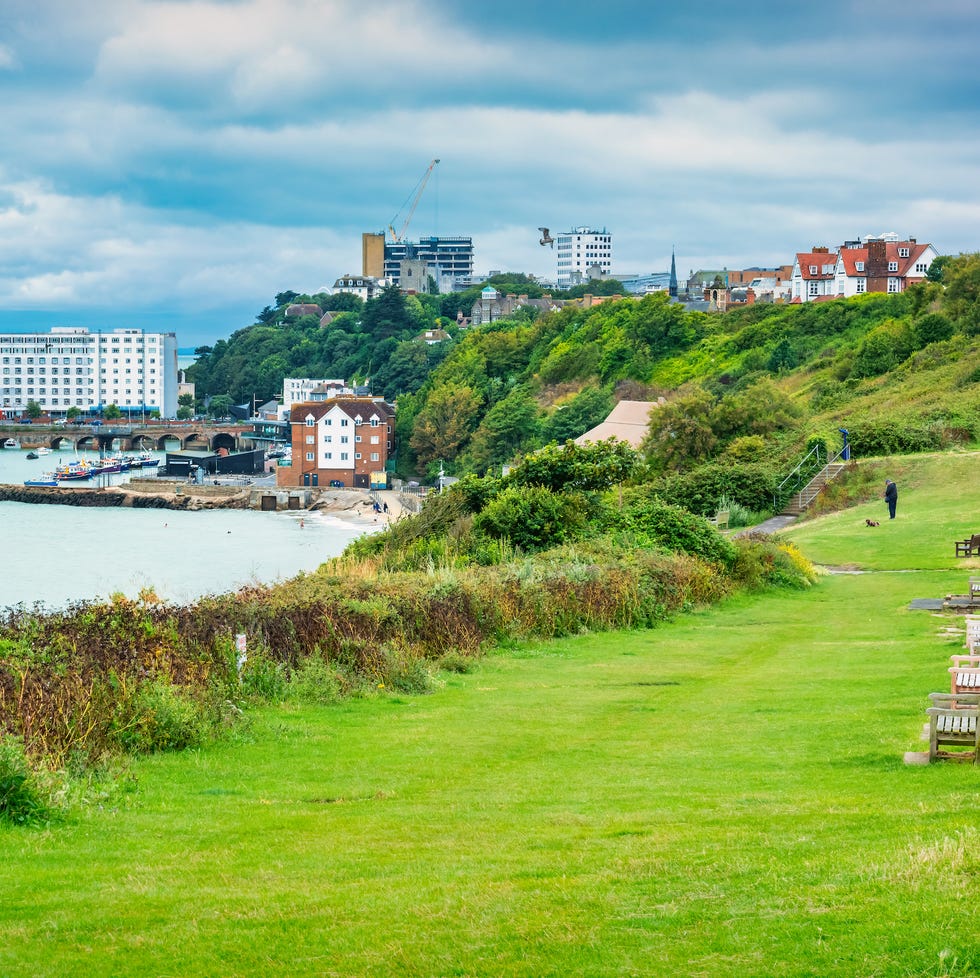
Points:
(583, 253)
(71, 366)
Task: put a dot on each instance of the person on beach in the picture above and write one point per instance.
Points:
(891, 497)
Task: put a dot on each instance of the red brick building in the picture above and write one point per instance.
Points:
(346, 439)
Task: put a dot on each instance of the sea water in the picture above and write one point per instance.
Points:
(56, 554)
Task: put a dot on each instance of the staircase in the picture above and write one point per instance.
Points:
(801, 499)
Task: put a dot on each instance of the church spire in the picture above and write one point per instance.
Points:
(673, 274)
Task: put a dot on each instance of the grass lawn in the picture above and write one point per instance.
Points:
(724, 795)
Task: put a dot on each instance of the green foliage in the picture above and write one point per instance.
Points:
(33, 409)
(592, 467)
(672, 527)
(157, 717)
(112, 413)
(511, 425)
(701, 489)
(531, 517)
(22, 801)
(315, 682)
(573, 418)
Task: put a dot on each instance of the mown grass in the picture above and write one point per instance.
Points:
(724, 795)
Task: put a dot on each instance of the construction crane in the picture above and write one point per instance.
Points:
(414, 197)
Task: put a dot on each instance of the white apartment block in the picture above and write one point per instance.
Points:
(299, 390)
(583, 253)
(71, 366)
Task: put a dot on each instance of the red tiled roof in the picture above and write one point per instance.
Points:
(850, 256)
(819, 259)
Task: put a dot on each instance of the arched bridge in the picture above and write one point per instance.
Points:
(160, 436)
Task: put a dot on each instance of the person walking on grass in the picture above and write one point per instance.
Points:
(891, 497)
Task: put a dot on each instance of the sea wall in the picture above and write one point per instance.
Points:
(161, 496)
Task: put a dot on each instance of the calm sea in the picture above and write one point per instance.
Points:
(55, 554)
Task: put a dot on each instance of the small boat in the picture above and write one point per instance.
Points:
(51, 482)
(32, 455)
(75, 470)
(42, 451)
(11, 443)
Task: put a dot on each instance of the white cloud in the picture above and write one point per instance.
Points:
(104, 252)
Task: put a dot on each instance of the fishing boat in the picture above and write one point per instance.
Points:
(49, 481)
(73, 471)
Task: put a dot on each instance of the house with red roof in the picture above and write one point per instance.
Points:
(876, 263)
(814, 275)
(881, 265)
(344, 440)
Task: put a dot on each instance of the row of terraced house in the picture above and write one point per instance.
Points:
(873, 264)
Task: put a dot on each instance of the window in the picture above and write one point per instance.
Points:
(903, 252)
(893, 266)
(374, 456)
(344, 456)
(860, 284)
(374, 422)
(310, 439)
(357, 454)
(859, 266)
(375, 439)
(813, 269)
(921, 267)
(357, 437)
(813, 288)
(309, 456)
(344, 439)
(310, 422)
(893, 285)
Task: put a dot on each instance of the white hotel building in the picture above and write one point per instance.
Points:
(583, 253)
(70, 366)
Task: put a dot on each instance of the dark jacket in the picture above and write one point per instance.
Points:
(891, 492)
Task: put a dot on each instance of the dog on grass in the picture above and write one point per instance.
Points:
(872, 522)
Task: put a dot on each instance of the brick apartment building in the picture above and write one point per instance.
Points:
(345, 440)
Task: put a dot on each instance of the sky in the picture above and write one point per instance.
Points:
(173, 164)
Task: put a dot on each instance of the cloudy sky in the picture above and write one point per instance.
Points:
(173, 164)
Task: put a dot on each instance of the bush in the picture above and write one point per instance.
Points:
(750, 485)
(673, 528)
(532, 517)
(21, 799)
(158, 717)
(315, 683)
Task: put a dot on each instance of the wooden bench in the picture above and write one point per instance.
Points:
(953, 723)
(720, 520)
(969, 547)
(974, 588)
(964, 674)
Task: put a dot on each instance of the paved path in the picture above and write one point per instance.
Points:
(772, 525)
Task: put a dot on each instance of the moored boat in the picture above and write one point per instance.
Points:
(75, 470)
(49, 482)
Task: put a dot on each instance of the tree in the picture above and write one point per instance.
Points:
(184, 413)
(72, 413)
(219, 405)
(112, 413)
(285, 298)
(510, 425)
(443, 426)
(186, 400)
(33, 410)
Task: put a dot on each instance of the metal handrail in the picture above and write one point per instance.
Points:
(798, 474)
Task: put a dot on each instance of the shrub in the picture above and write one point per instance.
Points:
(158, 717)
(673, 528)
(699, 490)
(21, 799)
(532, 517)
(314, 682)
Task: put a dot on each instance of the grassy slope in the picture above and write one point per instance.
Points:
(724, 795)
